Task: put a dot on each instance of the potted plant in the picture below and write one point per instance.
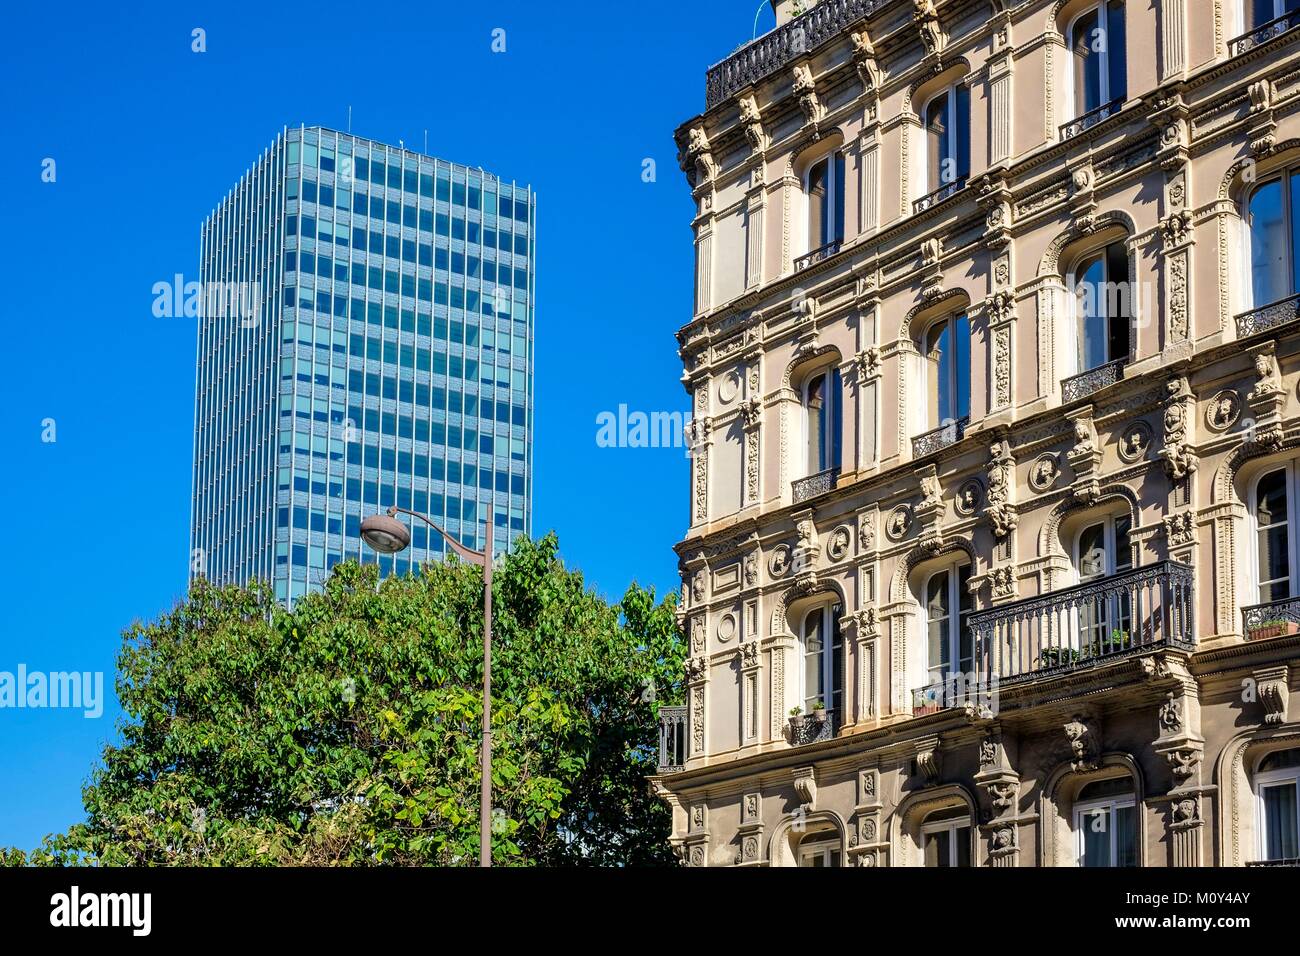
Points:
(1057, 657)
(820, 713)
(796, 719)
(1274, 627)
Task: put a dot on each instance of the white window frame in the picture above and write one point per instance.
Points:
(822, 848)
(1288, 467)
(1110, 805)
(950, 115)
(1272, 778)
(953, 627)
(834, 403)
(930, 418)
(828, 652)
(1103, 70)
(1072, 280)
(952, 825)
(1283, 178)
(833, 189)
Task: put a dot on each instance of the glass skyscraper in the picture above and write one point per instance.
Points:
(365, 340)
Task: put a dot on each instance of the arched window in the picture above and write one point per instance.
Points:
(949, 650)
(1274, 542)
(1273, 246)
(1105, 824)
(822, 420)
(1103, 307)
(824, 189)
(947, 137)
(947, 371)
(1100, 65)
(823, 660)
(1276, 783)
(946, 838)
(821, 849)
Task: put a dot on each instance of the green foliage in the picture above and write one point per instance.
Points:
(348, 732)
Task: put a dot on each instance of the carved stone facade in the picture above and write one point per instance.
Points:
(1099, 526)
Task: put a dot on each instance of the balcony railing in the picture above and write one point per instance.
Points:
(1273, 619)
(771, 52)
(814, 485)
(1086, 624)
(1085, 383)
(946, 434)
(1293, 862)
(1268, 317)
(939, 195)
(1090, 119)
(1265, 32)
(813, 727)
(674, 733)
(817, 255)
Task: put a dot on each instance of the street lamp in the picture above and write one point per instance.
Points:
(387, 535)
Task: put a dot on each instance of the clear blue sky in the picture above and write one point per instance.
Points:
(148, 136)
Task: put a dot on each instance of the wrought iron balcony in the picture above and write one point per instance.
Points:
(949, 433)
(1087, 624)
(1090, 119)
(1293, 862)
(1265, 32)
(1268, 317)
(945, 191)
(759, 59)
(814, 485)
(1085, 383)
(674, 735)
(812, 727)
(1273, 619)
(817, 255)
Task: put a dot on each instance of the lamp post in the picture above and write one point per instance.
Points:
(387, 535)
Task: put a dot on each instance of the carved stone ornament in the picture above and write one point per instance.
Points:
(778, 565)
(1134, 441)
(837, 547)
(864, 60)
(1171, 715)
(1044, 472)
(805, 788)
(927, 20)
(805, 89)
(999, 509)
(726, 628)
(1083, 743)
(700, 154)
(749, 654)
(1223, 411)
(1271, 685)
(750, 569)
(753, 123)
(1180, 529)
(1177, 455)
(928, 760)
(969, 497)
(899, 523)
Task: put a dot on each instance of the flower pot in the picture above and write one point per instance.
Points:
(796, 723)
(1267, 631)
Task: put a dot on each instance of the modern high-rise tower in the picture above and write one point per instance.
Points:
(365, 340)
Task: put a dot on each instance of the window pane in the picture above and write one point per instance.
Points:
(1274, 551)
(962, 362)
(1123, 545)
(1280, 822)
(1087, 63)
(812, 671)
(835, 422)
(816, 424)
(963, 846)
(939, 355)
(1117, 302)
(839, 198)
(937, 615)
(1126, 836)
(936, 125)
(1095, 825)
(836, 650)
(937, 849)
(962, 123)
(1295, 235)
(1261, 11)
(1094, 332)
(1092, 552)
(1116, 54)
(818, 196)
(1268, 255)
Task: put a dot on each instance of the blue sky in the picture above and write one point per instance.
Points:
(147, 136)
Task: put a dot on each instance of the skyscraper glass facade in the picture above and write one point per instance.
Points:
(365, 340)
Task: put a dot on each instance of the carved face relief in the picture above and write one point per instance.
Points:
(1134, 441)
(900, 521)
(1044, 472)
(840, 542)
(1223, 411)
(969, 498)
(779, 564)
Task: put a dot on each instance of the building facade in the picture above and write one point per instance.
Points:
(993, 555)
(365, 340)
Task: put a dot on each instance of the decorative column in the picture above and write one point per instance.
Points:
(999, 786)
(866, 621)
(868, 364)
(867, 844)
(700, 437)
(1178, 721)
(1051, 300)
(1173, 39)
(999, 91)
(747, 660)
(751, 830)
(752, 415)
(695, 846)
(697, 680)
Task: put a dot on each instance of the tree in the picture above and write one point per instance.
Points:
(347, 731)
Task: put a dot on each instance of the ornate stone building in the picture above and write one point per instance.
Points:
(993, 555)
